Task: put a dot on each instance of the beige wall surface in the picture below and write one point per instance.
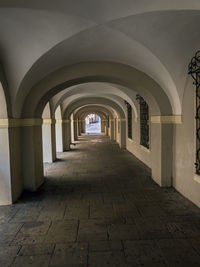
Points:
(184, 152)
(141, 153)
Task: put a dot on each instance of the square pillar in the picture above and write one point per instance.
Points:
(32, 155)
(48, 140)
(11, 181)
(162, 152)
(59, 136)
(66, 134)
(75, 130)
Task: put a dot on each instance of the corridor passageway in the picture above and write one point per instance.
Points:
(125, 193)
(100, 207)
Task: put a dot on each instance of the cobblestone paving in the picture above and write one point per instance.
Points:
(99, 207)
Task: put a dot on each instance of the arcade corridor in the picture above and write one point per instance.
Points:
(99, 207)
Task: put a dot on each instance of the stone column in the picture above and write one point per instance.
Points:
(11, 182)
(66, 134)
(106, 127)
(79, 127)
(32, 156)
(72, 129)
(5, 172)
(102, 125)
(115, 129)
(122, 143)
(48, 140)
(112, 129)
(161, 150)
(59, 135)
(83, 125)
(53, 138)
(75, 130)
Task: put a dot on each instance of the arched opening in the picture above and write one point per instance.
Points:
(92, 124)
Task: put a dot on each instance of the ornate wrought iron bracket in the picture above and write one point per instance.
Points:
(194, 71)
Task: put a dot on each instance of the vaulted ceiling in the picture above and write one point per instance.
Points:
(156, 37)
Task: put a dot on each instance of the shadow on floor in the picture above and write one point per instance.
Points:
(99, 207)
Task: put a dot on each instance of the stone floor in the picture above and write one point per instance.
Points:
(99, 207)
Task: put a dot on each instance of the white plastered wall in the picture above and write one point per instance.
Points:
(133, 145)
(159, 155)
(184, 178)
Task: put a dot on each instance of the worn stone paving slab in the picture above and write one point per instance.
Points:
(6, 239)
(176, 209)
(101, 211)
(143, 253)
(64, 226)
(38, 249)
(195, 242)
(32, 261)
(110, 198)
(26, 214)
(93, 229)
(62, 232)
(135, 196)
(35, 228)
(7, 213)
(93, 198)
(100, 207)
(150, 209)
(10, 228)
(100, 246)
(61, 238)
(52, 213)
(70, 254)
(24, 239)
(110, 258)
(179, 253)
(126, 210)
(73, 199)
(78, 212)
(123, 232)
(8, 254)
(153, 228)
